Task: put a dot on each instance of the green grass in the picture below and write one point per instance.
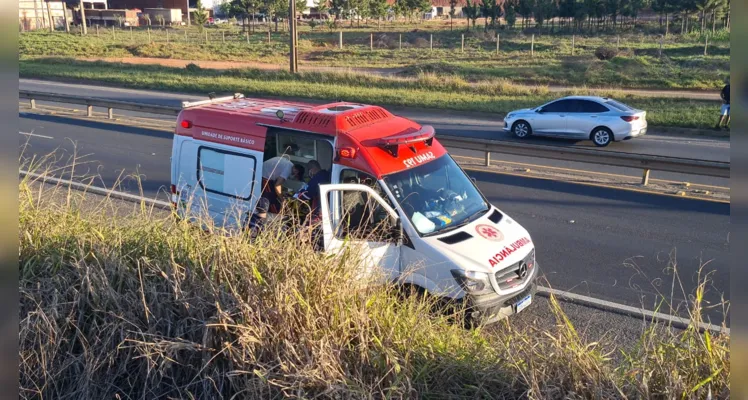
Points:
(425, 91)
(128, 302)
(638, 65)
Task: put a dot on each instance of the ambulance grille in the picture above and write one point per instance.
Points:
(315, 119)
(366, 117)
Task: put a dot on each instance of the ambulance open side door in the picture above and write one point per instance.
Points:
(357, 219)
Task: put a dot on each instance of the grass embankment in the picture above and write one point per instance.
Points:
(638, 65)
(141, 306)
(426, 90)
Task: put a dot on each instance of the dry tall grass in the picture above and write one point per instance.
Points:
(145, 306)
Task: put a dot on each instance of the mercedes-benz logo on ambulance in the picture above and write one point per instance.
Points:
(522, 271)
(488, 232)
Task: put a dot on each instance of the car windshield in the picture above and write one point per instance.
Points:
(437, 196)
(618, 106)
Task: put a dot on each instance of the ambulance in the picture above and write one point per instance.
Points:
(446, 238)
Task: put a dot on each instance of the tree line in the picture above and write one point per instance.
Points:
(580, 15)
(574, 15)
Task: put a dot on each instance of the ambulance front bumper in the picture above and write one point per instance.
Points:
(492, 307)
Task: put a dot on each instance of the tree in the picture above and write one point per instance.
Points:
(452, 5)
(378, 9)
(510, 12)
(246, 9)
(612, 8)
(200, 18)
(472, 11)
(524, 9)
(543, 11)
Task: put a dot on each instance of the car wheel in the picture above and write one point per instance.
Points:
(601, 136)
(521, 129)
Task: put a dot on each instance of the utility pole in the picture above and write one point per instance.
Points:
(49, 16)
(65, 16)
(292, 27)
(188, 13)
(83, 18)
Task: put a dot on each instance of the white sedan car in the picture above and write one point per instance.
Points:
(599, 119)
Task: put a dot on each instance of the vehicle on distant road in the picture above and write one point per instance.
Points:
(600, 119)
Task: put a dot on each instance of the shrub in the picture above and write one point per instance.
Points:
(192, 67)
(605, 53)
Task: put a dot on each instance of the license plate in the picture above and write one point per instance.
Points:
(522, 304)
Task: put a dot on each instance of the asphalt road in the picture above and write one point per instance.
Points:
(465, 125)
(605, 243)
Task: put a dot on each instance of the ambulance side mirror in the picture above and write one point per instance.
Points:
(398, 231)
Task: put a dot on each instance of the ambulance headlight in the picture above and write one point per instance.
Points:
(472, 282)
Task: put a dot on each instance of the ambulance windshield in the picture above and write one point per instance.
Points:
(437, 196)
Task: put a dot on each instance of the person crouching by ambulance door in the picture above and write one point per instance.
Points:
(310, 192)
(258, 219)
(275, 171)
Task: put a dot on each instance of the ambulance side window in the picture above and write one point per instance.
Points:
(226, 173)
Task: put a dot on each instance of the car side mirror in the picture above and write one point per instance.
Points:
(472, 178)
(539, 110)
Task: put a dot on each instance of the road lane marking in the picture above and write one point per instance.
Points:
(35, 135)
(605, 305)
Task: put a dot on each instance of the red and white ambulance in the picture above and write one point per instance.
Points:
(450, 240)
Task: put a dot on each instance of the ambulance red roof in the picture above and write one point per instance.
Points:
(244, 122)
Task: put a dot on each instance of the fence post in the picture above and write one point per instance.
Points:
(89, 111)
(340, 40)
(247, 34)
(269, 36)
(532, 46)
(572, 45)
(206, 36)
(371, 41)
(223, 36)
(149, 35)
(431, 42)
(401, 41)
(488, 159)
(645, 177)
(97, 30)
(110, 112)
(706, 44)
(498, 39)
(462, 45)
(659, 54)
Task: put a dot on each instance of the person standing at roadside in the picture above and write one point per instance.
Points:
(724, 118)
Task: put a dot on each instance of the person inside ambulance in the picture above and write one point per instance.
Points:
(275, 171)
(309, 193)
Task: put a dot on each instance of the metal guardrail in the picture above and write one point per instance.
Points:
(645, 162)
(91, 102)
